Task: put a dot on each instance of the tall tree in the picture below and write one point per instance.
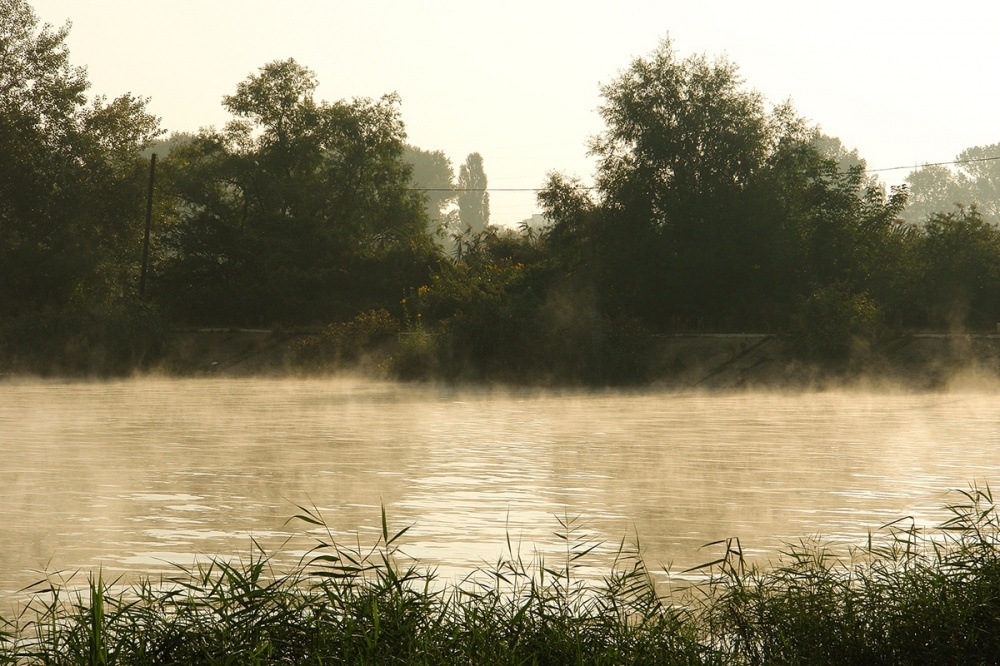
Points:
(297, 211)
(713, 210)
(678, 169)
(473, 197)
(71, 175)
(434, 177)
(958, 269)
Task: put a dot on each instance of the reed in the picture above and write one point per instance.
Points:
(905, 597)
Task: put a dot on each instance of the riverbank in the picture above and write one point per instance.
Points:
(922, 361)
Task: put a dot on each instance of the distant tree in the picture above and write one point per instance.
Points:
(933, 189)
(434, 177)
(831, 147)
(974, 181)
(163, 147)
(297, 211)
(979, 173)
(71, 174)
(473, 199)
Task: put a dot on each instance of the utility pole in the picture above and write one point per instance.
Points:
(149, 223)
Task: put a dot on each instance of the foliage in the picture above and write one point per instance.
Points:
(713, 212)
(908, 598)
(71, 175)
(473, 197)
(834, 324)
(344, 343)
(677, 163)
(505, 313)
(958, 270)
(973, 182)
(361, 605)
(933, 189)
(111, 340)
(417, 356)
(297, 211)
(434, 177)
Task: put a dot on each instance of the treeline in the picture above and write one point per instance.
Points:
(712, 211)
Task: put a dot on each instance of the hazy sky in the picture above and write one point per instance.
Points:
(904, 83)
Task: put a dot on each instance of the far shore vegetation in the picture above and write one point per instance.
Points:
(713, 211)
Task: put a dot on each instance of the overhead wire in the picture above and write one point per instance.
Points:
(927, 164)
(594, 187)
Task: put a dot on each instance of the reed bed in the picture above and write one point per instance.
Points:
(907, 596)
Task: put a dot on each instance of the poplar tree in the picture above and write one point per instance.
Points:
(473, 198)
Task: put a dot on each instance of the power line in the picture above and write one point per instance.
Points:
(492, 189)
(594, 187)
(927, 164)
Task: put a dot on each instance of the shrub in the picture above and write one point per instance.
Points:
(109, 341)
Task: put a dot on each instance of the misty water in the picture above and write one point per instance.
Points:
(131, 476)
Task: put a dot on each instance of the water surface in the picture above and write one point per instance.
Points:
(131, 475)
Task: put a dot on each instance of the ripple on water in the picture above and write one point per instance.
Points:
(124, 472)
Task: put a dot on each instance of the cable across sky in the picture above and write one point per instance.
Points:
(594, 187)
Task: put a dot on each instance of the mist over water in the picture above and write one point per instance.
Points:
(132, 475)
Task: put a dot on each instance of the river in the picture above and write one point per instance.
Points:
(135, 475)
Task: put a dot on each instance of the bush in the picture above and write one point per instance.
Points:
(109, 341)
(348, 342)
(835, 324)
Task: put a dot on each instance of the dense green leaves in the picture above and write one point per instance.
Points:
(297, 211)
(713, 211)
(958, 271)
(71, 174)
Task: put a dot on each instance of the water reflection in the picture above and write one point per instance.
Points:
(131, 475)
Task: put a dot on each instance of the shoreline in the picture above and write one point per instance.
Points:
(712, 361)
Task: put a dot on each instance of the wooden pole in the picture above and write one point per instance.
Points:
(149, 223)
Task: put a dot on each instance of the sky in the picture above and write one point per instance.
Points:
(904, 83)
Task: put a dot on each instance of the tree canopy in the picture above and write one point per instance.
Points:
(297, 210)
(973, 182)
(71, 180)
(473, 197)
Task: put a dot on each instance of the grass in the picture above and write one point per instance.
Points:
(905, 597)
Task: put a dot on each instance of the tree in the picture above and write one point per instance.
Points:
(933, 189)
(473, 198)
(974, 181)
(71, 174)
(831, 147)
(713, 210)
(958, 259)
(297, 211)
(434, 177)
(683, 225)
(979, 173)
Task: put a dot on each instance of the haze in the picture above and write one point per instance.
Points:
(518, 81)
